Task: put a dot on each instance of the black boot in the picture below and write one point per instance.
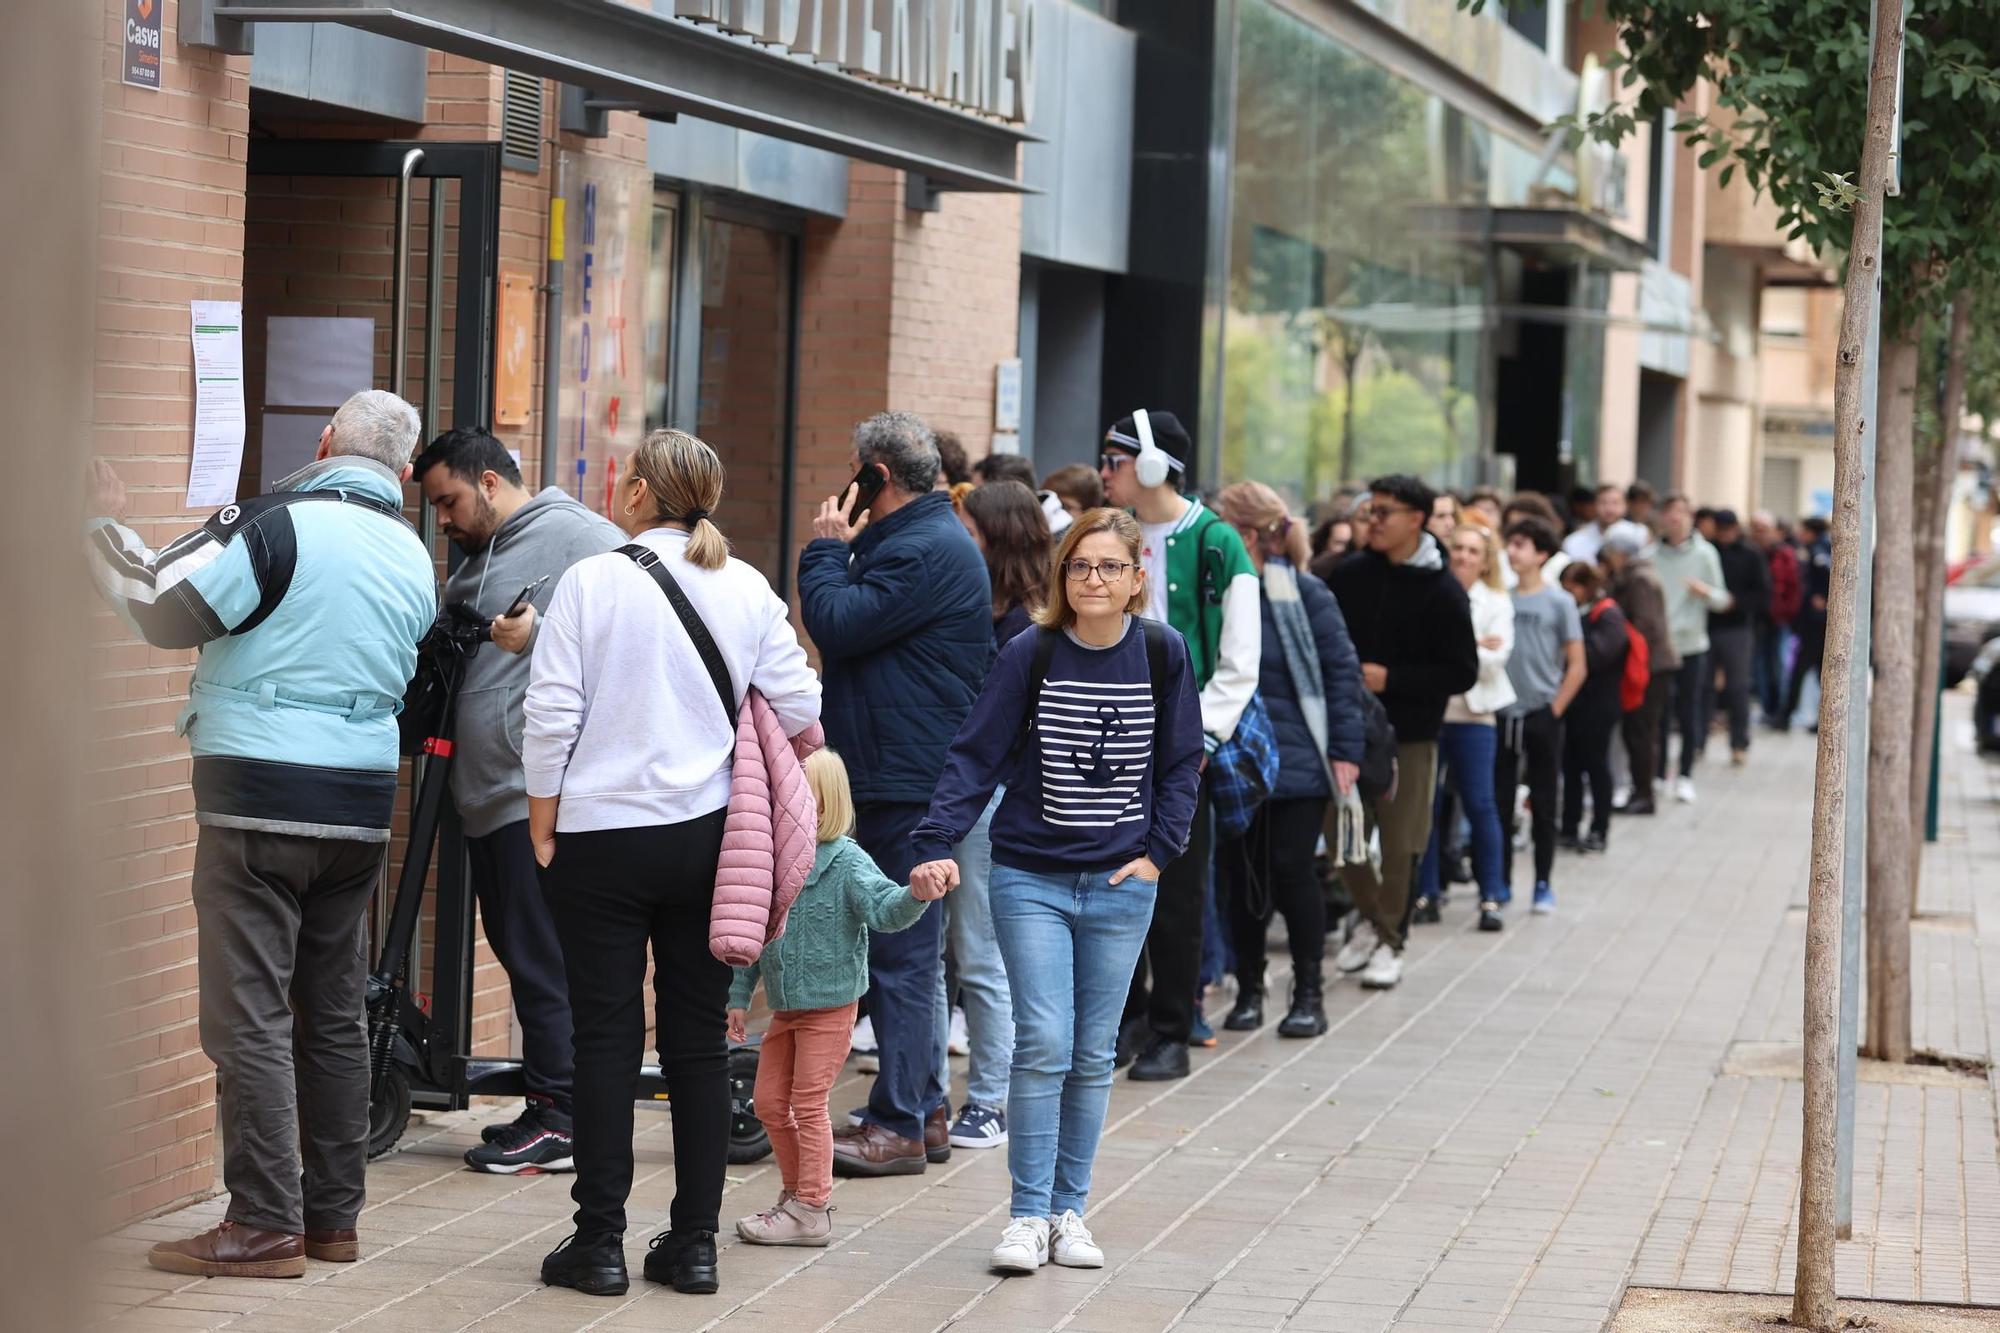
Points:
(685, 1262)
(1247, 1014)
(594, 1265)
(1308, 1015)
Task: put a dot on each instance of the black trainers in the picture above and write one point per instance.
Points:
(684, 1262)
(1247, 1014)
(539, 1140)
(1160, 1062)
(1593, 842)
(1489, 916)
(593, 1265)
(1426, 912)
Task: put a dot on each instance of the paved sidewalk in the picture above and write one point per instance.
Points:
(1532, 1120)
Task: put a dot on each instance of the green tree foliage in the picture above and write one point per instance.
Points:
(1791, 91)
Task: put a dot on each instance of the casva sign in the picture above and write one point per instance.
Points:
(977, 54)
(142, 43)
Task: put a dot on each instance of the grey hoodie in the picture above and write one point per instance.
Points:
(544, 536)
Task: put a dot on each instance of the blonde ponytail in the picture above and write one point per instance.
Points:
(685, 479)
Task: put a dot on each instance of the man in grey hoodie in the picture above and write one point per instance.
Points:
(510, 539)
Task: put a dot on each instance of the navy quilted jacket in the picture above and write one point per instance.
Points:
(903, 620)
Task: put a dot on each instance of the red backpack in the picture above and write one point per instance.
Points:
(1638, 662)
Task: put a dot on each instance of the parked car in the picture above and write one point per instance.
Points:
(1986, 704)
(1971, 617)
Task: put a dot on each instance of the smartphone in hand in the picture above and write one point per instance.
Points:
(528, 594)
(867, 484)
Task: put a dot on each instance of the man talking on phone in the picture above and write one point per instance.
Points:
(513, 542)
(897, 600)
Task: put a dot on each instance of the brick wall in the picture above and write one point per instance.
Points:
(955, 310)
(901, 310)
(170, 230)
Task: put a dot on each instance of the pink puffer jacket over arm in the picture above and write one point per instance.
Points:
(768, 836)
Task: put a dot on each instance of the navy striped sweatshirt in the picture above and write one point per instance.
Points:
(1094, 788)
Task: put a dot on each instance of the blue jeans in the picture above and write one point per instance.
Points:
(1070, 942)
(982, 978)
(903, 968)
(1468, 750)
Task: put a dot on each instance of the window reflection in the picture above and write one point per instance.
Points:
(1353, 340)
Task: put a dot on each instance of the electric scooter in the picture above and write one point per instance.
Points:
(410, 1054)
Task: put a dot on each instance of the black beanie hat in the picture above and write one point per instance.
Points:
(1168, 433)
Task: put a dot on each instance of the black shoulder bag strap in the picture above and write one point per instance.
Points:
(1156, 669)
(704, 642)
(1038, 671)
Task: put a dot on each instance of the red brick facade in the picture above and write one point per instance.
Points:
(895, 309)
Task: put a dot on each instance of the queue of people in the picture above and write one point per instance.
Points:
(1058, 734)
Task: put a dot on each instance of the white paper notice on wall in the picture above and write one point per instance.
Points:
(313, 362)
(216, 465)
(290, 441)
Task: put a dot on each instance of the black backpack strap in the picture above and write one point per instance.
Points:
(704, 642)
(266, 530)
(1038, 671)
(1156, 669)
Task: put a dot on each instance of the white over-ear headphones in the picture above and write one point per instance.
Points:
(1153, 462)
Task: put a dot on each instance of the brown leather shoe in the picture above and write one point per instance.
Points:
(233, 1250)
(937, 1134)
(872, 1150)
(333, 1247)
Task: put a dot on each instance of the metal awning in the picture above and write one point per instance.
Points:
(1568, 235)
(661, 66)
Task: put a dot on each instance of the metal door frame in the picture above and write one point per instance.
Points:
(476, 167)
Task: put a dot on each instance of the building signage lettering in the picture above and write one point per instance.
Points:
(978, 54)
(142, 43)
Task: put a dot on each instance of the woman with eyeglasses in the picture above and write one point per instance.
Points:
(1092, 723)
(1310, 681)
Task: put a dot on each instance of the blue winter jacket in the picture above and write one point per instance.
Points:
(903, 620)
(1300, 772)
(308, 613)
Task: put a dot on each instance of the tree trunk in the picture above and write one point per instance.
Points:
(1350, 356)
(1812, 1287)
(1936, 471)
(1889, 830)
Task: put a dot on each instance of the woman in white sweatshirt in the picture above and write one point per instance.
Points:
(627, 749)
(1468, 742)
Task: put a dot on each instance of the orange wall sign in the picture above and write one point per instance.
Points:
(514, 370)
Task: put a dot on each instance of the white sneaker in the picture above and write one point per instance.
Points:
(1360, 947)
(862, 1040)
(1070, 1242)
(959, 1042)
(1684, 791)
(1024, 1246)
(1385, 969)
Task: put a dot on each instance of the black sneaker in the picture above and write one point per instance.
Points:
(1593, 842)
(1161, 1062)
(684, 1262)
(1569, 842)
(539, 1141)
(1489, 916)
(1426, 912)
(593, 1265)
(528, 1113)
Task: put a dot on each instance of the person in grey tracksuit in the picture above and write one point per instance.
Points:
(510, 538)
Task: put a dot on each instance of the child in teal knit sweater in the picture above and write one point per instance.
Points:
(813, 976)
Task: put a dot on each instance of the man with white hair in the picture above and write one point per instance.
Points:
(307, 604)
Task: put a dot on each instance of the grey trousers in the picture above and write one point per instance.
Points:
(283, 986)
